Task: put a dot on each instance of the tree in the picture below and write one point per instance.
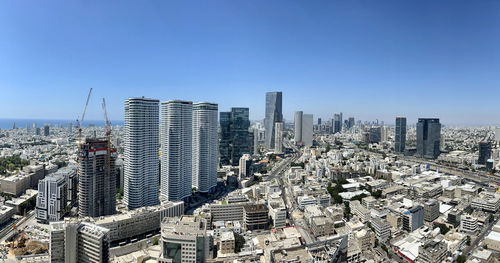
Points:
(461, 259)
(443, 228)
(468, 241)
(155, 241)
(491, 218)
(347, 211)
(239, 242)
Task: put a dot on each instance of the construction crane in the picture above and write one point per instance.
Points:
(78, 127)
(108, 135)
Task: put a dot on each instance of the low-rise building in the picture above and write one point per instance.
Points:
(431, 210)
(322, 226)
(382, 228)
(469, 224)
(489, 202)
(6, 213)
(432, 252)
(359, 210)
(226, 243)
(255, 217)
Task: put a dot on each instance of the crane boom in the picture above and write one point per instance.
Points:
(108, 135)
(86, 104)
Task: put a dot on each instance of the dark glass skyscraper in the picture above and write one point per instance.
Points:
(234, 140)
(375, 134)
(337, 122)
(274, 114)
(351, 122)
(400, 135)
(484, 152)
(428, 138)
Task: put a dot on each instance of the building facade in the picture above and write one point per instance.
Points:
(428, 138)
(400, 135)
(307, 130)
(141, 170)
(51, 201)
(298, 127)
(205, 146)
(97, 183)
(234, 138)
(176, 149)
(274, 113)
(278, 141)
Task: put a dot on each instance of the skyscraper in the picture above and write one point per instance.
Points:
(176, 149)
(400, 135)
(351, 122)
(375, 134)
(307, 130)
(428, 138)
(235, 139)
(97, 182)
(274, 114)
(205, 146)
(70, 127)
(484, 152)
(51, 201)
(337, 122)
(319, 121)
(141, 171)
(298, 127)
(46, 130)
(278, 141)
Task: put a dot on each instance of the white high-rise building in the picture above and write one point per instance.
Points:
(52, 198)
(298, 127)
(278, 140)
(176, 149)
(307, 129)
(141, 169)
(205, 146)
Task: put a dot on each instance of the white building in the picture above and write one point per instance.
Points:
(298, 127)
(205, 146)
(176, 149)
(245, 163)
(51, 201)
(75, 241)
(278, 139)
(382, 228)
(468, 224)
(486, 201)
(141, 171)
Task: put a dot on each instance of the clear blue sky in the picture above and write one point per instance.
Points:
(368, 59)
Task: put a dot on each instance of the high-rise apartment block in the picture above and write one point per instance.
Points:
(350, 122)
(400, 135)
(413, 218)
(428, 138)
(274, 114)
(235, 138)
(96, 175)
(177, 149)
(51, 201)
(205, 146)
(75, 241)
(141, 170)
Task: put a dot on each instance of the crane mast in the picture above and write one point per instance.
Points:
(108, 135)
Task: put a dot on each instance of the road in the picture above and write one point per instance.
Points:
(21, 223)
(484, 232)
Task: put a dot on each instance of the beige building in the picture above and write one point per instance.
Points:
(432, 252)
(226, 243)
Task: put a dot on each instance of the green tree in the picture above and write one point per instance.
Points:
(461, 259)
(155, 241)
(239, 242)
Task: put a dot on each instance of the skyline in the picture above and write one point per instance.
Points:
(416, 60)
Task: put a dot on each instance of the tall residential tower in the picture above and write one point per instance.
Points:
(274, 114)
(141, 171)
(400, 135)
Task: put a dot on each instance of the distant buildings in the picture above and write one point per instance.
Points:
(46, 130)
(97, 182)
(484, 152)
(205, 146)
(51, 202)
(245, 164)
(400, 135)
(176, 149)
(274, 114)
(298, 127)
(337, 122)
(141, 171)
(350, 122)
(428, 138)
(184, 239)
(278, 141)
(234, 137)
(375, 134)
(75, 241)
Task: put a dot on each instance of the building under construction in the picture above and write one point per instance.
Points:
(97, 179)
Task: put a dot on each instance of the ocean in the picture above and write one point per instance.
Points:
(6, 124)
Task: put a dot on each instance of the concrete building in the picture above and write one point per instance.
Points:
(255, 217)
(139, 221)
(485, 201)
(413, 218)
(375, 134)
(245, 165)
(176, 149)
(227, 212)
(46, 130)
(382, 228)
(141, 144)
(322, 226)
(226, 243)
(431, 210)
(277, 214)
(400, 135)
(75, 241)
(97, 179)
(6, 212)
(360, 211)
(278, 140)
(428, 138)
(484, 152)
(274, 114)
(205, 146)
(432, 252)
(307, 129)
(298, 127)
(468, 224)
(366, 239)
(15, 184)
(51, 202)
(184, 239)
